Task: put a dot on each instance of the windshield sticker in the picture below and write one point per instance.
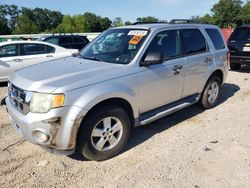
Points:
(138, 33)
(135, 40)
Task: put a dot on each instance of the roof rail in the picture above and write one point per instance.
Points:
(140, 23)
(181, 21)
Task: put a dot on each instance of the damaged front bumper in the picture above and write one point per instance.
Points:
(55, 130)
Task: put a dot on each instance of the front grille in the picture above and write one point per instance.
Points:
(18, 98)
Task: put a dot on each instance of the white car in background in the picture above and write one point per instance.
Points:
(15, 55)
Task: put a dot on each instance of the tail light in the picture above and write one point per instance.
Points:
(228, 58)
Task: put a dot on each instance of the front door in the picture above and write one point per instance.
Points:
(161, 84)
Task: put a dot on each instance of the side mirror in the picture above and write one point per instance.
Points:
(152, 58)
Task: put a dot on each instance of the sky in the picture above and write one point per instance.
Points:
(129, 10)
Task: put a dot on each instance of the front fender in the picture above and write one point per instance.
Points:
(87, 98)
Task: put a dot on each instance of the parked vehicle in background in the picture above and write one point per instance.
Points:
(67, 40)
(128, 76)
(19, 54)
(239, 46)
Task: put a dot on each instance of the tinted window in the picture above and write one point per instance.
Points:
(193, 41)
(8, 50)
(65, 40)
(167, 43)
(216, 38)
(242, 33)
(52, 40)
(50, 49)
(79, 40)
(33, 49)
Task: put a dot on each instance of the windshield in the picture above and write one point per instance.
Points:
(118, 46)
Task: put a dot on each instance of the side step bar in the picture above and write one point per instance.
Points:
(161, 112)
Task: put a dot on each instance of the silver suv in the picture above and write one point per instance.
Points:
(128, 76)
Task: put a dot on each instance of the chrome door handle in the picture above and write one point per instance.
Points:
(208, 60)
(177, 69)
(17, 60)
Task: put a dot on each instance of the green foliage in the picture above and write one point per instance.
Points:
(226, 12)
(117, 22)
(128, 23)
(244, 15)
(4, 29)
(147, 19)
(25, 23)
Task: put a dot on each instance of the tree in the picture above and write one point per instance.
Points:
(67, 25)
(226, 12)
(25, 25)
(128, 23)
(4, 29)
(244, 15)
(208, 19)
(117, 22)
(79, 23)
(147, 19)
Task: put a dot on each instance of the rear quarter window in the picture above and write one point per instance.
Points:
(241, 34)
(216, 38)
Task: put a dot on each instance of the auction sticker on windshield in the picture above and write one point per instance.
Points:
(135, 40)
(138, 33)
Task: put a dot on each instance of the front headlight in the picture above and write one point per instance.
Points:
(42, 103)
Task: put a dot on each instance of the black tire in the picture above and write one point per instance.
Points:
(85, 144)
(204, 102)
(235, 66)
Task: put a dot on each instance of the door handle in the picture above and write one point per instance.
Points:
(208, 60)
(49, 55)
(17, 60)
(177, 69)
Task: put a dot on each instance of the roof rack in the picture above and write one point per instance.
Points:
(140, 23)
(181, 21)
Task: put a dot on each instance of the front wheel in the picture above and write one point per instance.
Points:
(104, 133)
(211, 92)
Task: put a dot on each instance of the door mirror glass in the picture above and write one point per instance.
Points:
(153, 58)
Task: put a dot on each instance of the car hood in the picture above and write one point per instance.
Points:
(65, 74)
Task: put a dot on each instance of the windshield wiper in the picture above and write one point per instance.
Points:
(90, 58)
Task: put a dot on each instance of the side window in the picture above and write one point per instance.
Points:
(65, 40)
(167, 43)
(78, 40)
(50, 49)
(52, 40)
(216, 38)
(193, 41)
(8, 50)
(33, 49)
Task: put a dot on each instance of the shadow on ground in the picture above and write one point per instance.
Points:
(243, 69)
(142, 134)
(3, 84)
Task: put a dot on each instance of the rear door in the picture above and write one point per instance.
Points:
(33, 53)
(9, 60)
(239, 42)
(199, 59)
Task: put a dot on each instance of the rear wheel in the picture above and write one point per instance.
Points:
(211, 92)
(235, 66)
(104, 133)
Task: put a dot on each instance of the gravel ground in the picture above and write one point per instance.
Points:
(191, 148)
